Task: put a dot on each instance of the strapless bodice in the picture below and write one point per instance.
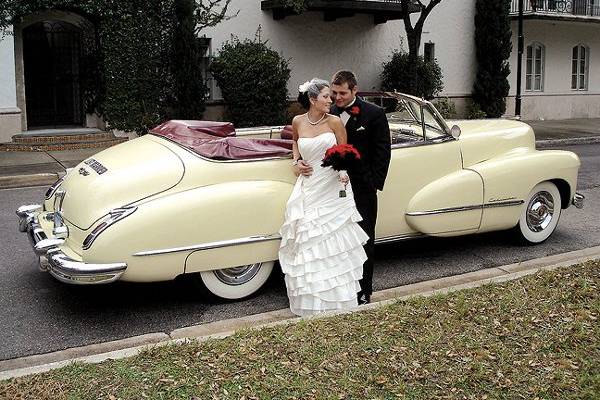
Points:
(312, 149)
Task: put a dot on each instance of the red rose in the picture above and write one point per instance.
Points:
(355, 110)
(341, 157)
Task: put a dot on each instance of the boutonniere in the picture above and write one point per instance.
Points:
(355, 110)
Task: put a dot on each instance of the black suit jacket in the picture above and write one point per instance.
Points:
(368, 131)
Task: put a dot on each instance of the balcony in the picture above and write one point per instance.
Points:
(381, 10)
(571, 10)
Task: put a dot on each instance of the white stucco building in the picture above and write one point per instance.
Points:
(561, 63)
(561, 60)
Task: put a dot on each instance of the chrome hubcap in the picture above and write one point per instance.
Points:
(238, 275)
(540, 211)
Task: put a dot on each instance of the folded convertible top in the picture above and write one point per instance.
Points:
(217, 140)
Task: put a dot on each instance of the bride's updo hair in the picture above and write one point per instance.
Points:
(310, 89)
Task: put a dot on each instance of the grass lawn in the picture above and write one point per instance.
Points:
(534, 338)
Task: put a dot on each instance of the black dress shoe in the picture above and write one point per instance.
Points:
(363, 298)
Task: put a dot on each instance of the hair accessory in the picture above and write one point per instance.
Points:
(304, 87)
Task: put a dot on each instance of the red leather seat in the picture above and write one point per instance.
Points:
(287, 132)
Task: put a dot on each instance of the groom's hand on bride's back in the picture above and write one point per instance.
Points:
(303, 168)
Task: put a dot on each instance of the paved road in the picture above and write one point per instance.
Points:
(39, 314)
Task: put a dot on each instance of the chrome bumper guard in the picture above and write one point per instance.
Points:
(55, 261)
(578, 200)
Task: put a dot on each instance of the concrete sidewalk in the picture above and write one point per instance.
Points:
(21, 169)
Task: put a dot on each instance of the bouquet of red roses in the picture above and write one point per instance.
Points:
(341, 157)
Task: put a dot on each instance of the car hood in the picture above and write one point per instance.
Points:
(118, 176)
(481, 140)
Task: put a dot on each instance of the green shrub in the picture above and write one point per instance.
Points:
(474, 111)
(399, 71)
(253, 80)
(446, 107)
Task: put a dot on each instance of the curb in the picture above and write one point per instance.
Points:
(548, 143)
(131, 346)
(26, 180)
(46, 179)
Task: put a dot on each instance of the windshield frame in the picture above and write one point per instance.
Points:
(423, 104)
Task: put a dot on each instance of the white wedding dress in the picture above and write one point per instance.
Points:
(321, 249)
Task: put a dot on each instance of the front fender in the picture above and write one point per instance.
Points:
(448, 206)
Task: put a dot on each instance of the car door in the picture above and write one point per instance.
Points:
(426, 187)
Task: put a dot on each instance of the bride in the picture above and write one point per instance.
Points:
(321, 251)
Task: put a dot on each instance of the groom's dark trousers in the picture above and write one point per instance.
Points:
(368, 131)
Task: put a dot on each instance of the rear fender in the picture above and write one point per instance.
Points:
(160, 239)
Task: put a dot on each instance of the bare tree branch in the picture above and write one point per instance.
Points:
(210, 12)
(426, 11)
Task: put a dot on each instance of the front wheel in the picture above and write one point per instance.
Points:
(237, 282)
(540, 215)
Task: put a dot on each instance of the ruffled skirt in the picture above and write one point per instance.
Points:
(321, 251)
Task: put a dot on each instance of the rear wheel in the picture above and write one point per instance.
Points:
(540, 215)
(235, 283)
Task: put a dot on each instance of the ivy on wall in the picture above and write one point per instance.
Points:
(131, 80)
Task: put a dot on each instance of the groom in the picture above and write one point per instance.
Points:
(368, 131)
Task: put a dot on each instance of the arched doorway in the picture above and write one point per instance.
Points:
(51, 61)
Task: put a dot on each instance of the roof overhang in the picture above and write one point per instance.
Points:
(382, 10)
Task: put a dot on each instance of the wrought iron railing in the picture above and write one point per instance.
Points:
(559, 7)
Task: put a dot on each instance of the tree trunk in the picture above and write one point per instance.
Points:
(414, 43)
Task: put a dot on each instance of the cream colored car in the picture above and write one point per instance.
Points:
(183, 201)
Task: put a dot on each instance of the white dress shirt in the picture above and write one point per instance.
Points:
(344, 115)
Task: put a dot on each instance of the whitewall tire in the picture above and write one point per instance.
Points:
(540, 213)
(238, 282)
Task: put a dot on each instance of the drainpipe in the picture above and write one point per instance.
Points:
(519, 61)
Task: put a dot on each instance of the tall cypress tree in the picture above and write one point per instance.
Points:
(189, 87)
(492, 48)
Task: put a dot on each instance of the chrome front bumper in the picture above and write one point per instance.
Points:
(55, 261)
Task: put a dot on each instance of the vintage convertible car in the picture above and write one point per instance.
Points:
(198, 197)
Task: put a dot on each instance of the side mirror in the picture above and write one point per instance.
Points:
(455, 131)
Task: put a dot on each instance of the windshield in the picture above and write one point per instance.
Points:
(410, 118)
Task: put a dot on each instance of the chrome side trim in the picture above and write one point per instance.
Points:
(212, 245)
(510, 203)
(398, 238)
